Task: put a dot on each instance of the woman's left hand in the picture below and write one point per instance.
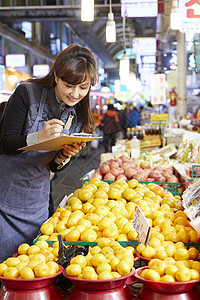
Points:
(72, 149)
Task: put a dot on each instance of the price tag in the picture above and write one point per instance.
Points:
(141, 226)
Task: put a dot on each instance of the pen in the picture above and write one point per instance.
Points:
(43, 122)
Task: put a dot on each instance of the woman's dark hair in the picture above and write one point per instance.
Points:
(73, 65)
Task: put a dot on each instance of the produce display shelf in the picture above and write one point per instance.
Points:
(170, 186)
(91, 244)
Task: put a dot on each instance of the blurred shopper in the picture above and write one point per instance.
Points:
(111, 126)
(123, 117)
(134, 118)
(38, 111)
(198, 113)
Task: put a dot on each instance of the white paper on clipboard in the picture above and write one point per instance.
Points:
(55, 144)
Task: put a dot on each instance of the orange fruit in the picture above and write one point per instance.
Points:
(193, 253)
(73, 270)
(171, 270)
(12, 261)
(85, 194)
(42, 244)
(93, 218)
(194, 274)
(79, 260)
(159, 266)
(167, 278)
(183, 274)
(11, 272)
(27, 273)
(90, 275)
(110, 232)
(113, 263)
(101, 194)
(181, 254)
(105, 275)
(194, 236)
(73, 235)
(104, 223)
(103, 242)
(196, 265)
(39, 257)
(183, 236)
(88, 235)
(3, 266)
(180, 221)
(41, 270)
(23, 248)
(47, 228)
(97, 259)
(53, 264)
(150, 274)
(123, 267)
(103, 267)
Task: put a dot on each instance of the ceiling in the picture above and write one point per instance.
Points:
(92, 33)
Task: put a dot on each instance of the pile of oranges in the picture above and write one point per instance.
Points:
(105, 261)
(33, 261)
(100, 209)
(171, 271)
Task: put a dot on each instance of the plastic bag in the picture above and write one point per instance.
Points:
(64, 257)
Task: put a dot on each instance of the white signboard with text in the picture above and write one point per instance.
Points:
(139, 8)
(141, 226)
(190, 15)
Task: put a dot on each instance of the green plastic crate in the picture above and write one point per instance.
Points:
(91, 244)
(195, 171)
(170, 186)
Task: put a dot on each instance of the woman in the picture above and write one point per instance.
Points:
(38, 110)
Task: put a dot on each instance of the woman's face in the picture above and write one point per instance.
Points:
(71, 94)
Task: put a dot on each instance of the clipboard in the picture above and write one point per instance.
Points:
(55, 144)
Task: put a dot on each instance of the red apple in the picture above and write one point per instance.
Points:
(125, 165)
(145, 165)
(121, 176)
(115, 172)
(172, 178)
(113, 164)
(129, 173)
(109, 176)
(104, 168)
(97, 175)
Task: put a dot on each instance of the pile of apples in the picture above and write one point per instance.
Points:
(127, 168)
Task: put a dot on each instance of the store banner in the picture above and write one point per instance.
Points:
(139, 8)
(158, 89)
(190, 15)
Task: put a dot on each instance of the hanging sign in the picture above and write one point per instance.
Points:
(139, 8)
(190, 15)
(159, 119)
(158, 91)
(141, 226)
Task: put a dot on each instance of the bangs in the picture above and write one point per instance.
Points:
(76, 72)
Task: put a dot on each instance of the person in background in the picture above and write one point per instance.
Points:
(38, 110)
(198, 113)
(134, 118)
(111, 126)
(123, 117)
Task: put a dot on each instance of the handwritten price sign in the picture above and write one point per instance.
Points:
(141, 226)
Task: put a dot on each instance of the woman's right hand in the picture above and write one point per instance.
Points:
(52, 129)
